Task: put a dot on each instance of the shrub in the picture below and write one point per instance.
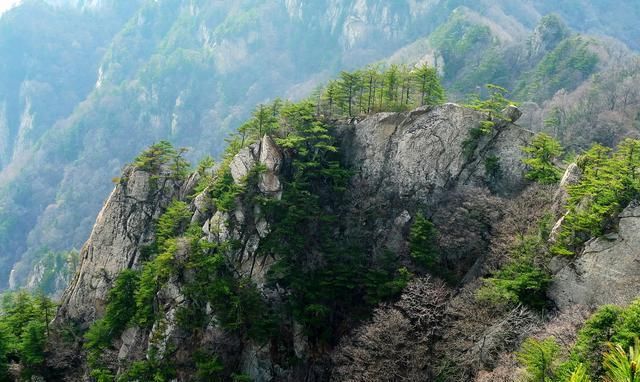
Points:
(423, 243)
(540, 359)
(522, 280)
(621, 366)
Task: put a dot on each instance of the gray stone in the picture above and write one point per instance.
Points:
(219, 227)
(122, 227)
(570, 177)
(202, 206)
(419, 154)
(241, 164)
(271, 157)
(606, 272)
(511, 113)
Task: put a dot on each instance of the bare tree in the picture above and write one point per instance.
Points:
(395, 344)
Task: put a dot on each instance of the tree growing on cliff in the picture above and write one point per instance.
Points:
(423, 242)
(493, 104)
(542, 153)
(378, 89)
(431, 90)
(156, 156)
(24, 320)
(349, 84)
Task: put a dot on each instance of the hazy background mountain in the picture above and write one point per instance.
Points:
(85, 85)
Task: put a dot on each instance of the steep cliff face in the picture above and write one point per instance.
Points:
(401, 163)
(415, 161)
(419, 154)
(123, 227)
(607, 271)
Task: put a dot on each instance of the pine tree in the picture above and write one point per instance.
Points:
(392, 78)
(263, 120)
(32, 342)
(423, 242)
(331, 94)
(431, 90)
(542, 152)
(371, 79)
(349, 85)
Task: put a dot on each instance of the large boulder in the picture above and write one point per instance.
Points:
(271, 158)
(512, 113)
(607, 271)
(243, 162)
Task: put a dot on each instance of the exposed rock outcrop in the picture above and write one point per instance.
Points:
(403, 163)
(420, 154)
(411, 161)
(124, 225)
(571, 177)
(607, 271)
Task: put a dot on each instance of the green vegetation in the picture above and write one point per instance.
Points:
(579, 374)
(238, 304)
(593, 337)
(608, 184)
(133, 300)
(492, 169)
(523, 279)
(424, 249)
(598, 353)
(347, 284)
(163, 159)
(120, 310)
(344, 284)
(542, 153)
(321, 297)
(458, 40)
(24, 325)
(423, 242)
(374, 89)
(621, 366)
(492, 106)
(150, 369)
(540, 359)
(567, 65)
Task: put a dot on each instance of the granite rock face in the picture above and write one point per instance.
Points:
(420, 153)
(123, 226)
(607, 271)
(426, 161)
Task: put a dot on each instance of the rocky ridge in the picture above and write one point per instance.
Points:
(400, 161)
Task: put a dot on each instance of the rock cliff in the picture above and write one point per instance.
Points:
(607, 271)
(401, 163)
(123, 227)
